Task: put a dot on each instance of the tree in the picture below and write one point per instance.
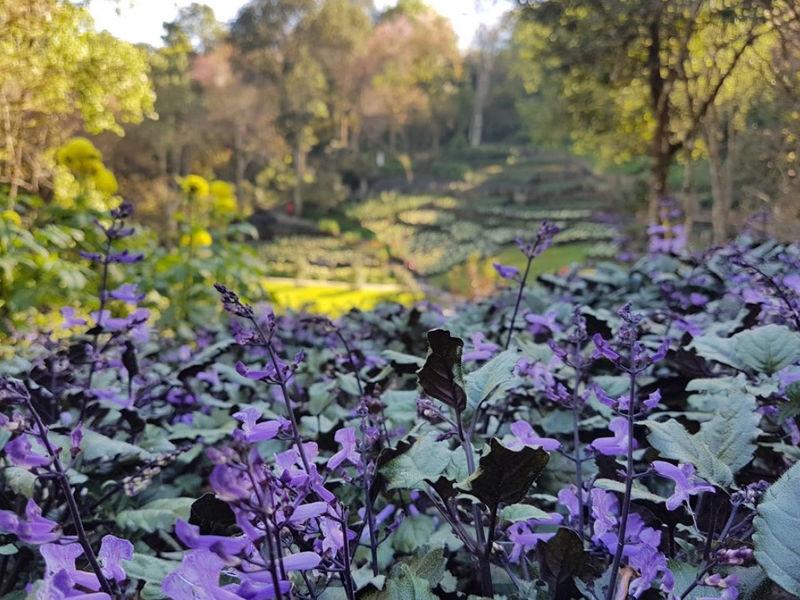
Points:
(636, 76)
(412, 69)
(57, 75)
(485, 59)
(274, 51)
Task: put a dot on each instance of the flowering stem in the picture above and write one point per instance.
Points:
(626, 502)
(522, 283)
(98, 325)
(72, 503)
(347, 577)
(285, 393)
(576, 443)
(486, 573)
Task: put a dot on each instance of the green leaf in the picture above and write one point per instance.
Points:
(149, 568)
(425, 459)
(522, 512)
(724, 444)
(402, 359)
(96, 446)
(441, 376)
(777, 545)
(767, 349)
(156, 515)
(673, 441)
(504, 476)
(719, 349)
(731, 432)
(20, 480)
(639, 492)
(493, 379)
(413, 533)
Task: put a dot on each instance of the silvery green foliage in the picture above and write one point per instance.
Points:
(777, 543)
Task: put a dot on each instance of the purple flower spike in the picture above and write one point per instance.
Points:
(618, 444)
(506, 271)
(525, 436)
(347, 440)
(113, 550)
(686, 483)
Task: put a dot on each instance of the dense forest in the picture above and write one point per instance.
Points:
(307, 103)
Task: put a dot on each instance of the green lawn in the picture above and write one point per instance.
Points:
(478, 277)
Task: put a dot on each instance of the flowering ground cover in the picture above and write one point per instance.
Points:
(607, 433)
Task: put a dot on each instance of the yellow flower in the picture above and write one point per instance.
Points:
(80, 156)
(11, 216)
(222, 189)
(199, 238)
(194, 185)
(105, 182)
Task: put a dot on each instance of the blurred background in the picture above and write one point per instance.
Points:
(332, 154)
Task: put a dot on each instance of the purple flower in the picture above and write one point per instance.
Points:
(70, 320)
(543, 240)
(113, 550)
(686, 483)
(256, 432)
(126, 257)
(346, 437)
(649, 563)
(127, 293)
(60, 558)
(525, 436)
(482, 349)
(525, 539)
(652, 400)
(198, 579)
(304, 512)
(20, 453)
(602, 349)
(618, 444)
(332, 536)
(33, 529)
(728, 585)
(604, 511)
(222, 546)
(229, 483)
(301, 561)
(505, 271)
(545, 323)
(112, 396)
(568, 497)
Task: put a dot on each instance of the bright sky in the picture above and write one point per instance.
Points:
(141, 20)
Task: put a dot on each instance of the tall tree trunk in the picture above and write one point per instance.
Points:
(721, 175)
(662, 150)
(689, 199)
(299, 160)
(481, 93)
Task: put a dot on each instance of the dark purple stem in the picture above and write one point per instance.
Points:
(522, 283)
(626, 502)
(72, 503)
